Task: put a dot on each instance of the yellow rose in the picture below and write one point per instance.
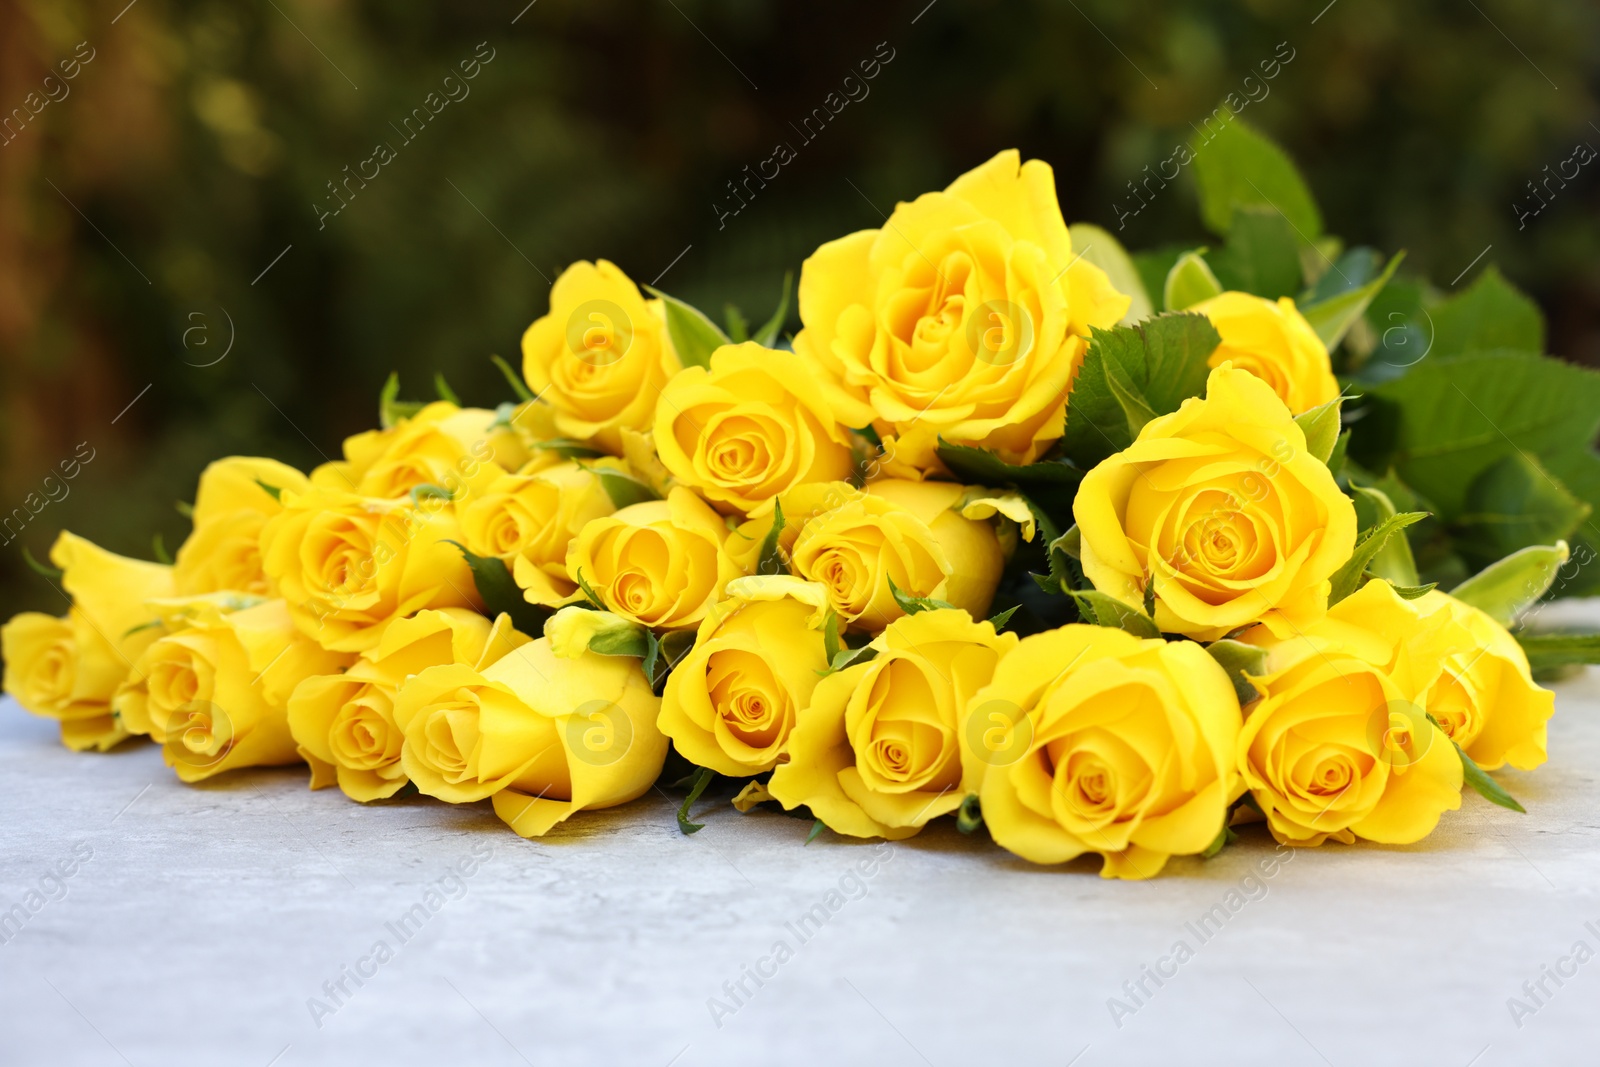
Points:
(230, 509)
(855, 542)
(1340, 744)
(348, 565)
(1484, 695)
(600, 357)
(442, 445)
(731, 701)
(964, 317)
(543, 736)
(530, 520)
(876, 753)
(1221, 507)
(1273, 341)
(1092, 740)
(748, 429)
(213, 695)
(68, 669)
(343, 724)
(660, 563)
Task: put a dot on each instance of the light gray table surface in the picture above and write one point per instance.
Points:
(206, 919)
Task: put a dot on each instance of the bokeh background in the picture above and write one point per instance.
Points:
(143, 213)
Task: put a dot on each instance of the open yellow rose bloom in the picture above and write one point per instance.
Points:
(778, 560)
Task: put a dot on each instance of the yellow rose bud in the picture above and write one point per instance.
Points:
(660, 563)
(343, 724)
(529, 520)
(68, 669)
(349, 565)
(1340, 744)
(572, 629)
(543, 736)
(855, 542)
(452, 448)
(1273, 341)
(231, 507)
(964, 317)
(214, 695)
(600, 357)
(877, 752)
(748, 429)
(1092, 740)
(731, 701)
(1221, 507)
(1484, 696)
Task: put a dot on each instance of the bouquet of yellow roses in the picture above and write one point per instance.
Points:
(1106, 553)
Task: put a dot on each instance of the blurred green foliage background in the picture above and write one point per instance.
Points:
(140, 212)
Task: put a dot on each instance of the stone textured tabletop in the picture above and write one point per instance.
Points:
(232, 923)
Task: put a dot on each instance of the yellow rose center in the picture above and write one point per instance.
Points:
(741, 453)
(362, 735)
(747, 698)
(450, 736)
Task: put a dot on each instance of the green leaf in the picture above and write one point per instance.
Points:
(975, 466)
(694, 336)
(1049, 485)
(738, 329)
(772, 559)
(849, 657)
(1393, 562)
(1321, 427)
(1236, 166)
(911, 605)
(697, 785)
(1513, 504)
(1225, 837)
(1163, 360)
(767, 336)
(623, 489)
(1550, 651)
(442, 387)
(53, 573)
(589, 594)
(1189, 282)
(672, 646)
(1100, 609)
(426, 491)
(637, 642)
(1347, 579)
(567, 448)
(1341, 448)
(518, 386)
(1478, 779)
(1128, 397)
(969, 816)
(273, 491)
(1448, 420)
(158, 548)
(1106, 252)
(1239, 660)
(1408, 592)
(185, 508)
(816, 828)
(831, 642)
(1332, 317)
(499, 592)
(1505, 589)
(1490, 314)
(391, 409)
(1261, 255)
(999, 619)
